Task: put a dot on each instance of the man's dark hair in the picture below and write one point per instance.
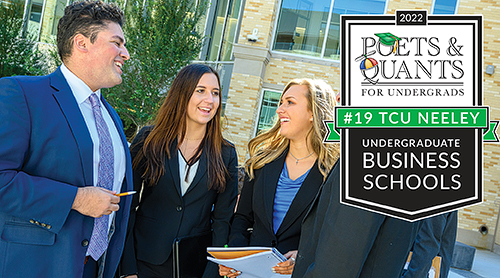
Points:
(87, 18)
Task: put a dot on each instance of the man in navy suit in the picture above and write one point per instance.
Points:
(436, 238)
(63, 156)
(341, 241)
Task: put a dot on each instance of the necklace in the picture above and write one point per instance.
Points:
(297, 159)
(192, 139)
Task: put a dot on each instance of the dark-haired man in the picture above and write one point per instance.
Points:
(63, 156)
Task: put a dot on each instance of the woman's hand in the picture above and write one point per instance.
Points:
(131, 276)
(227, 271)
(286, 267)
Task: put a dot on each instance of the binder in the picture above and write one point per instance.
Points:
(190, 256)
(253, 262)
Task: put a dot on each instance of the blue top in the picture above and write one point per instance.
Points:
(285, 193)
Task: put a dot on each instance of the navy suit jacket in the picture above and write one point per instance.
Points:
(46, 153)
(436, 238)
(341, 241)
(255, 209)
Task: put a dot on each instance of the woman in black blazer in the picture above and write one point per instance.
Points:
(286, 167)
(187, 174)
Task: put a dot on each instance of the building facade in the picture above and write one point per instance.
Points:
(299, 38)
(260, 45)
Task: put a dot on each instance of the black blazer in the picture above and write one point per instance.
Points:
(346, 242)
(255, 209)
(163, 214)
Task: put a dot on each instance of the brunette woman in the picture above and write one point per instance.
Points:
(187, 173)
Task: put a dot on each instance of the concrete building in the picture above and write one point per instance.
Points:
(259, 45)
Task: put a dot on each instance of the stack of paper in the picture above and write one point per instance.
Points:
(253, 262)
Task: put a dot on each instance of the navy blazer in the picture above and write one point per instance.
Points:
(163, 214)
(346, 242)
(256, 205)
(45, 155)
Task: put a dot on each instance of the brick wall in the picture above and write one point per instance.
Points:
(472, 218)
(281, 70)
(258, 14)
(241, 112)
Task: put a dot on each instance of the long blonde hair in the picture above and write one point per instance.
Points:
(269, 145)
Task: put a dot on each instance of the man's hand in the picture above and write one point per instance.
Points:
(95, 201)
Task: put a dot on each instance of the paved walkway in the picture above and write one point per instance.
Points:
(486, 265)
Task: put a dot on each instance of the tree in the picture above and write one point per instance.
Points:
(161, 39)
(18, 56)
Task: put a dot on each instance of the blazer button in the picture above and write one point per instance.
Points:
(179, 208)
(273, 243)
(85, 243)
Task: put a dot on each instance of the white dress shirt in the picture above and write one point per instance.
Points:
(82, 92)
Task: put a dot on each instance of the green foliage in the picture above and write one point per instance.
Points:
(161, 39)
(18, 56)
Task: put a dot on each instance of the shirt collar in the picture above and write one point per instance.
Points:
(81, 91)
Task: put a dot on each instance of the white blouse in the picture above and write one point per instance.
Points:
(183, 167)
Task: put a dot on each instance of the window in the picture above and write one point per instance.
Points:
(312, 27)
(267, 117)
(444, 6)
(35, 18)
(224, 29)
(221, 31)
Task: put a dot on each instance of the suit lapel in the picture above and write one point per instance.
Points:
(303, 198)
(69, 107)
(173, 167)
(318, 194)
(201, 172)
(269, 180)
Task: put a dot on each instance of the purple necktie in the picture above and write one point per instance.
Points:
(99, 239)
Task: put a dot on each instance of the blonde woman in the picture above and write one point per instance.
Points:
(286, 167)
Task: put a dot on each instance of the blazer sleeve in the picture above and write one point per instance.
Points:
(225, 203)
(346, 234)
(223, 210)
(23, 195)
(128, 264)
(243, 218)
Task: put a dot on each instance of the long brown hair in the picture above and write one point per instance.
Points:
(269, 145)
(170, 123)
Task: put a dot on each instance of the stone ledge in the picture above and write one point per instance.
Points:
(463, 256)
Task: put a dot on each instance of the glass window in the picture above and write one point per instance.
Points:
(224, 30)
(35, 16)
(444, 6)
(270, 102)
(230, 30)
(303, 25)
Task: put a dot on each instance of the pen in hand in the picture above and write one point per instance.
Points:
(125, 193)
